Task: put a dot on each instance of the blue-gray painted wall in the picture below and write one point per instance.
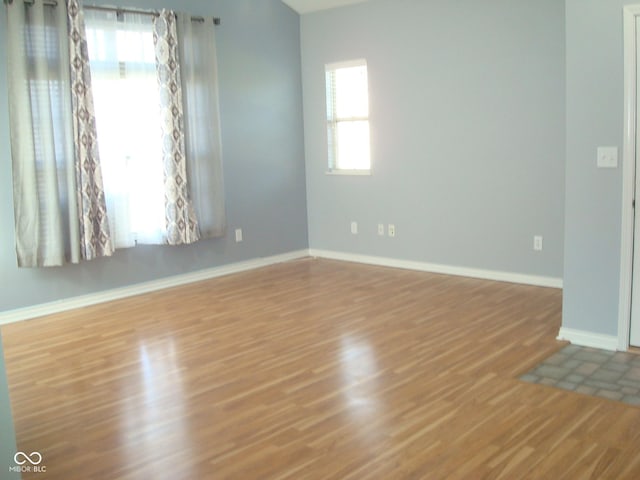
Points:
(595, 117)
(262, 137)
(467, 107)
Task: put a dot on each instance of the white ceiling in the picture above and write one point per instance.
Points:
(307, 6)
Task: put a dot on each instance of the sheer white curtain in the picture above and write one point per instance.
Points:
(198, 64)
(127, 104)
(46, 213)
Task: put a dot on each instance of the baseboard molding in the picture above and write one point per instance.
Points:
(438, 268)
(35, 311)
(588, 339)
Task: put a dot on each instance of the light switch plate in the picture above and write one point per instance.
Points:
(607, 157)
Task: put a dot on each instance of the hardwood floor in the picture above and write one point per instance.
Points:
(312, 369)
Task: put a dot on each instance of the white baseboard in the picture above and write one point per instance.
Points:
(35, 311)
(27, 313)
(588, 339)
(444, 269)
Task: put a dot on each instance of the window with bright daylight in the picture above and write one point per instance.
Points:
(348, 117)
(123, 68)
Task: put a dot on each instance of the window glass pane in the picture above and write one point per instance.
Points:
(353, 151)
(348, 116)
(127, 99)
(135, 46)
(351, 93)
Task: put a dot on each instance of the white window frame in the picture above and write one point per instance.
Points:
(333, 121)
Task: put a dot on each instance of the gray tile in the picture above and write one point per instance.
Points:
(591, 356)
(604, 375)
(602, 385)
(632, 399)
(628, 383)
(606, 353)
(586, 390)
(616, 367)
(609, 394)
(548, 381)
(611, 375)
(575, 378)
(566, 385)
(622, 357)
(551, 371)
(587, 368)
(630, 391)
(571, 364)
(571, 349)
(556, 359)
(633, 374)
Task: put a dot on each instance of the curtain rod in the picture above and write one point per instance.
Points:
(48, 3)
(54, 3)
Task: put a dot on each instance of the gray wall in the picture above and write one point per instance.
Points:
(261, 116)
(595, 116)
(467, 117)
(7, 434)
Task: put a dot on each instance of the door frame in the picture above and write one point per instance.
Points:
(630, 14)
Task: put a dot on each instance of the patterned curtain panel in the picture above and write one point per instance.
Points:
(182, 225)
(95, 239)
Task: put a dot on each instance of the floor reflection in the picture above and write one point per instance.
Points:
(359, 372)
(154, 416)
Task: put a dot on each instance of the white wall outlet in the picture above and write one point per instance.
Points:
(238, 235)
(354, 228)
(392, 230)
(537, 243)
(607, 157)
(381, 229)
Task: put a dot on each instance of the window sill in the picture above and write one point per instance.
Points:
(357, 173)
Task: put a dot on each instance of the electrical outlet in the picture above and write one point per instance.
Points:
(537, 243)
(238, 235)
(354, 228)
(392, 230)
(607, 157)
(381, 229)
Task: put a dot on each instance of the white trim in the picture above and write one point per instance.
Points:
(12, 316)
(361, 173)
(539, 281)
(588, 339)
(630, 12)
(359, 62)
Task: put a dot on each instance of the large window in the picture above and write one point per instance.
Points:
(348, 117)
(114, 130)
(127, 104)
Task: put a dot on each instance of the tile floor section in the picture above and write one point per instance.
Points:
(612, 375)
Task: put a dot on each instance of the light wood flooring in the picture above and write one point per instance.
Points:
(312, 369)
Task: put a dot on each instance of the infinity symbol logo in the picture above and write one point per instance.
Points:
(34, 459)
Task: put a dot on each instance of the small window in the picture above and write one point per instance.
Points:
(348, 117)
